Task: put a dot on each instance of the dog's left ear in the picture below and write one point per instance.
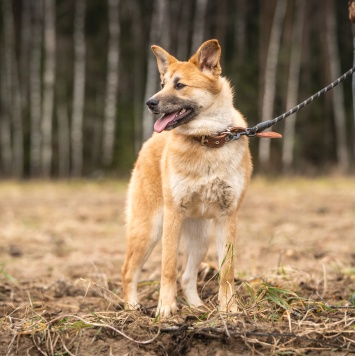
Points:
(207, 57)
(164, 59)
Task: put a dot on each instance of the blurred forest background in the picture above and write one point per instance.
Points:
(75, 75)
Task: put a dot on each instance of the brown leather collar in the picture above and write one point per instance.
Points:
(218, 140)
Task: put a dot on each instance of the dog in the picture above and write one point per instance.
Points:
(181, 185)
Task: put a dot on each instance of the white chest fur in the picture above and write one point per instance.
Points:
(211, 187)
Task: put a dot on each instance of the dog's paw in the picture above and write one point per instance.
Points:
(195, 302)
(230, 308)
(166, 310)
(202, 308)
(131, 304)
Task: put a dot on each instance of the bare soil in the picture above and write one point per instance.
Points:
(62, 247)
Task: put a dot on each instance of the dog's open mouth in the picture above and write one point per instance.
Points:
(173, 119)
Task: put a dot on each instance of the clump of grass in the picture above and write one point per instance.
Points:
(51, 330)
(266, 301)
(271, 319)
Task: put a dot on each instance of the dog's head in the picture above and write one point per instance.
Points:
(188, 89)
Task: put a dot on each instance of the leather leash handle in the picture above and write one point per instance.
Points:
(268, 134)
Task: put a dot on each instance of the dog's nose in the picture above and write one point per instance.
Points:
(152, 103)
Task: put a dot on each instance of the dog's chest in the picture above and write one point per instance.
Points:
(207, 190)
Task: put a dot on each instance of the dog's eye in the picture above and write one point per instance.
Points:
(179, 86)
(162, 85)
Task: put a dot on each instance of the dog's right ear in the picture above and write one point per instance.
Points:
(164, 59)
(207, 58)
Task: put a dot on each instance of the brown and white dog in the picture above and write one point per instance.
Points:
(180, 187)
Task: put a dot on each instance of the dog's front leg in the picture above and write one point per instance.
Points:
(171, 237)
(226, 231)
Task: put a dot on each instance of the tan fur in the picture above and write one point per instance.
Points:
(179, 187)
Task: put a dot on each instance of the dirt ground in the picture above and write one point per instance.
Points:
(62, 247)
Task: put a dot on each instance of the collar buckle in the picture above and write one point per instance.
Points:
(203, 140)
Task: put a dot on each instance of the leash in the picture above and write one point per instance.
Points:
(257, 129)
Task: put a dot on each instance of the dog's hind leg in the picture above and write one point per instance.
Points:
(195, 235)
(143, 235)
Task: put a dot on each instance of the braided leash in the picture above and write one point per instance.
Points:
(252, 131)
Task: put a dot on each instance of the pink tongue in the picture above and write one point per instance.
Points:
(163, 122)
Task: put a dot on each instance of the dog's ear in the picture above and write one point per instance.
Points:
(207, 58)
(164, 59)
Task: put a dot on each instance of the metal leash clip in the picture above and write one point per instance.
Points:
(236, 136)
(250, 132)
(229, 137)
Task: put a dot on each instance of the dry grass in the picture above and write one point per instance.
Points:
(62, 245)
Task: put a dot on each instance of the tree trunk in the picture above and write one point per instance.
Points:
(221, 24)
(199, 25)
(353, 80)
(111, 83)
(137, 29)
(240, 32)
(183, 31)
(26, 31)
(97, 133)
(5, 123)
(35, 88)
(270, 75)
(48, 86)
(351, 7)
(159, 25)
(13, 88)
(79, 89)
(63, 139)
(338, 93)
(18, 147)
(293, 84)
(164, 24)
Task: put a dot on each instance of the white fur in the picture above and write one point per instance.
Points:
(195, 235)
